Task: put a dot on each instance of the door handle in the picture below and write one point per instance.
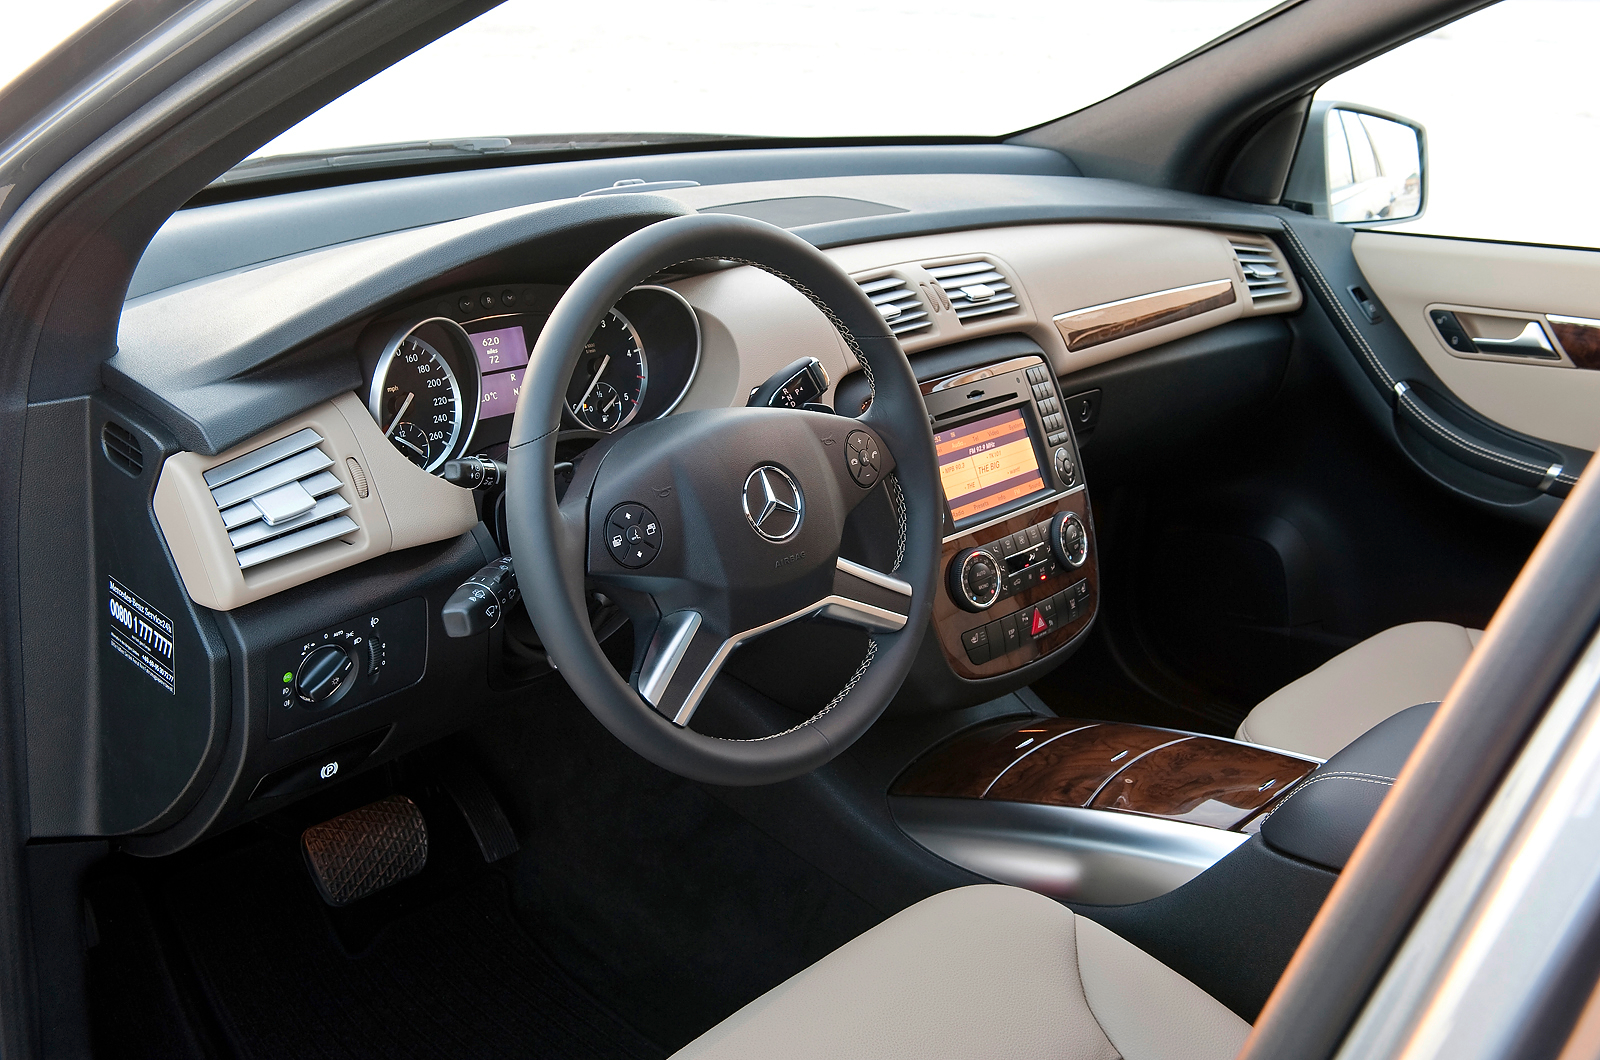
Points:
(1532, 342)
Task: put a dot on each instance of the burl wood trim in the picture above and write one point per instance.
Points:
(1083, 328)
(950, 621)
(1107, 765)
(1202, 781)
(968, 766)
(1067, 772)
(1580, 337)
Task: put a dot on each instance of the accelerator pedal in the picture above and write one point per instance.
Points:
(363, 851)
(485, 819)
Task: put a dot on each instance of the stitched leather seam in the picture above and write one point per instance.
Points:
(1449, 435)
(1356, 778)
(1332, 302)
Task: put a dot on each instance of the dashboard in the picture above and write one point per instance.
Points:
(274, 438)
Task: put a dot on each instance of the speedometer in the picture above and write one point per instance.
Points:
(417, 395)
(609, 382)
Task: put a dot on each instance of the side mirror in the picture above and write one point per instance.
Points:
(1356, 165)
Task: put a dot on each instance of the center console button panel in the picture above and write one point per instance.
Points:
(335, 669)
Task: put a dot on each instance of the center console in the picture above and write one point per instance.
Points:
(1021, 579)
(1098, 812)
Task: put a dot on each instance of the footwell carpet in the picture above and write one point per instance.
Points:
(456, 977)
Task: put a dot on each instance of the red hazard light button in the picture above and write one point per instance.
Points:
(1039, 626)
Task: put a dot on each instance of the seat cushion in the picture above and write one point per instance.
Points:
(1356, 689)
(985, 971)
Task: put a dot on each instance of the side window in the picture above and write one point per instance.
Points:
(1511, 109)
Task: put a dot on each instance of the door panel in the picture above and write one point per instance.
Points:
(1496, 290)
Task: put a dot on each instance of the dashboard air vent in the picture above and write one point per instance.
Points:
(975, 289)
(1264, 272)
(280, 499)
(898, 303)
(122, 448)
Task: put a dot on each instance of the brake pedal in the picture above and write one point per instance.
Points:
(366, 850)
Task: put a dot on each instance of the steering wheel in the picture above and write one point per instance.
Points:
(714, 526)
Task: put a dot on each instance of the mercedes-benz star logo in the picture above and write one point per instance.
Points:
(773, 503)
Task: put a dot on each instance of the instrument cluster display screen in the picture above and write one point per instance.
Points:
(987, 463)
(502, 358)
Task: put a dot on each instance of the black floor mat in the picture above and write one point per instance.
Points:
(456, 978)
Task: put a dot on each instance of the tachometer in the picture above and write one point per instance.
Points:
(609, 382)
(418, 398)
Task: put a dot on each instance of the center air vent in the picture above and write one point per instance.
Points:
(898, 303)
(976, 289)
(279, 499)
(1264, 272)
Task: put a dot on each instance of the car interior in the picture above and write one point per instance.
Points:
(754, 599)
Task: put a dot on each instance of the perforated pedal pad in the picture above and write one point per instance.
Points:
(366, 850)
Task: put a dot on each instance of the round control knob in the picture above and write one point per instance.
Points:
(1066, 468)
(323, 672)
(975, 580)
(1069, 540)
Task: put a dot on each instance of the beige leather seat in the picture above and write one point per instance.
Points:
(1353, 691)
(985, 971)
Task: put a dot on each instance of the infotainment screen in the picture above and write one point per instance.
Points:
(502, 357)
(987, 463)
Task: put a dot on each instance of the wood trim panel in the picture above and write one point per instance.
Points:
(1580, 338)
(950, 621)
(1202, 781)
(1112, 766)
(1083, 328)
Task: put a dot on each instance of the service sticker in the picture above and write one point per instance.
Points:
(142, 635)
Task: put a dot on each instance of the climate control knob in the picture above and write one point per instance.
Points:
(975, 579)
(323, 672)
(1069, 540)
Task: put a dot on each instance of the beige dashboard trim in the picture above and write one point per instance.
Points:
(1083, 328)
(401, 506)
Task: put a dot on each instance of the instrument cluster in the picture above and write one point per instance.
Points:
(446, 377)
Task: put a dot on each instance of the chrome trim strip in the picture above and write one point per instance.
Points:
(844, 609)
(855, 612)
(673, 636)
(1096, 325)
(1550, 477)
(1094, 856)
(989, 371)
(878, 578)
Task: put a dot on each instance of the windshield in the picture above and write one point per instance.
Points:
(824, 68)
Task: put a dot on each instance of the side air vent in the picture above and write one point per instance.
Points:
(122, 448)
(280, 499)
(1264, 272)
(898, 303)
(975, 289)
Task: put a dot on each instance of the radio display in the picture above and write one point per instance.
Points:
(987, 463)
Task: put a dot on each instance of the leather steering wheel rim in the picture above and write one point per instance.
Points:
(553, 540)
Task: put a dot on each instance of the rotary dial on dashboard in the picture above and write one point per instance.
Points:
(609, 382)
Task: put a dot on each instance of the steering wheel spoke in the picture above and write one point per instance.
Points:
(867, 598)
